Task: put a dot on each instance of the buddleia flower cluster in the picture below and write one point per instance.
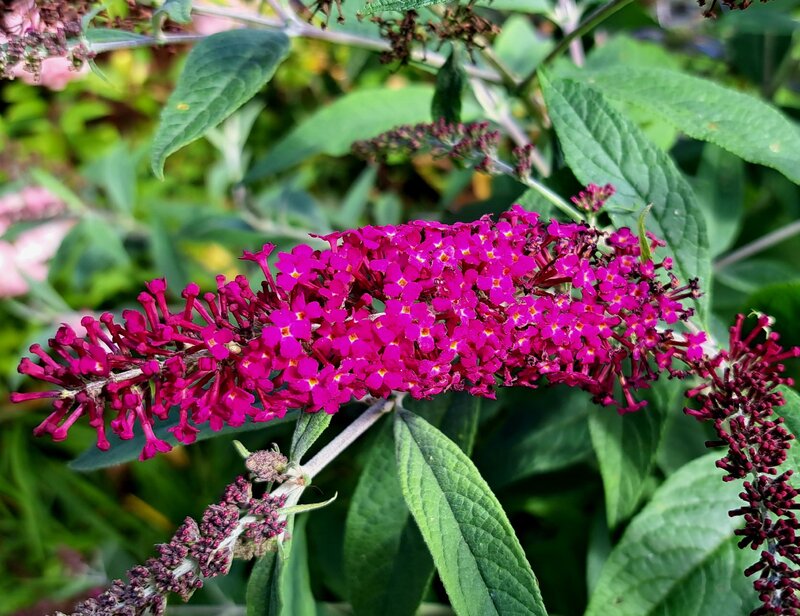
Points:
(421, 308)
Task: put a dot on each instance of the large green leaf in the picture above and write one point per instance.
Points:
(263, 590)
(477, 554)
(124, 451)
(626, 447)
(222, 73)
(601, 145)
(790, 412)
(546, 434)
(709, 111)
(280, 584)
(387, 563)
(679, 555)
(333, 129)
(719, 185)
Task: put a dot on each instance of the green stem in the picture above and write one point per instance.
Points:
(593, 20)
(553, 198)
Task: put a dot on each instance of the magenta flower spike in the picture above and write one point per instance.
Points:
(420, 308)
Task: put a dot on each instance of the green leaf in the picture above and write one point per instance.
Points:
(450, 83)
(719, 185)
(263, 587)
(377, 6)
(601, 145)
(626, 447)
(644, 243)
(296, 595)
(125, 451)
(679, 555)
(310, 427)
(520, 46)
(708, 111)
(222, 73)
(548, 434)
(110, 35)
(305, 507)
(790, 412)
(477, 554)
(388, 209)
(355, 202)
(179, 11)
(387, 563)
(362, 114)
(521, 6)
(280, 584)
(624, 50)
(115, 173)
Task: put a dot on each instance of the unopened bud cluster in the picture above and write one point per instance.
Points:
(239, 526)
(739, 397)
(39, 33)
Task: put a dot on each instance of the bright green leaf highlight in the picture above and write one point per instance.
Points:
(222, 73)
(679, 555)
(601, 145)
(711, 112)
(644, 243)
(477, 554)
(333, 129)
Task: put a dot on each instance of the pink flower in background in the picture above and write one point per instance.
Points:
(29, 253)
(209, 24)
(55, 73)
(29, 203)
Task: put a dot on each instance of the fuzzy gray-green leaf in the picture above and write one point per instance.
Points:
(601, 145)
(476, 552)
(222, 73)
(679, 555)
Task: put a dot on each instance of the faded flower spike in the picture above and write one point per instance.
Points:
(739, 397)
(239, 526)
(421, 308)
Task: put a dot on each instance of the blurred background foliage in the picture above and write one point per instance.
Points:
(63, 534)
